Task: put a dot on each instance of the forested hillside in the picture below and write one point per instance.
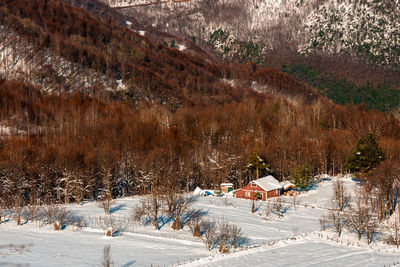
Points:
(138, 115)
(352, 42)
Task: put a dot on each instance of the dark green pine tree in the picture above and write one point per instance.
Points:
(302, 176)
(366, 156)
(256, 163)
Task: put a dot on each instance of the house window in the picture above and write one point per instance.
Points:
(253, 185)
(247, 194)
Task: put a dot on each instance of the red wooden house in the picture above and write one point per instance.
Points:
(265, 187)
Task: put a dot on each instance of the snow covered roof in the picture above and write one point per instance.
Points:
(226, 184)
(287, 184)
(268, 183)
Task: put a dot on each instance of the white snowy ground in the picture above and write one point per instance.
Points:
(294, 240)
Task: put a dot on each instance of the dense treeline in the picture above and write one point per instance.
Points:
(65, 148)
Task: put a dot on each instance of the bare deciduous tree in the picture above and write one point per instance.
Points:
(150, 207)
(341, 197)
(361, 217)
(176, 206)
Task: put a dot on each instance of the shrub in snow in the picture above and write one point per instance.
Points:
(60, 216)
(295, 202)
(278, 207)
(105, 202)
(111, 225)
(194, 226)
(223, 234)
(208, 230)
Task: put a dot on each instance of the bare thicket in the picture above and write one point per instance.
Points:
(31, 212)
(176, 206)
(111, 225)
(107, 256)
(385, 180)
(194, 226)
(237, 237)
(323, 222)
(341, 197)
(59, 216)
(227, 202)
(3, 213)
(295, 202)
(361, 217)
(105, 203)
(223, 234)
(105, 199)
(40, 216)
(336, 219)
(393, 227)
(208, 229)
(267, 211)
(229, 235)
(150, 207)
(278, 207)
(17, 209)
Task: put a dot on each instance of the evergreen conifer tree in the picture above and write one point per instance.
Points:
(366, 155)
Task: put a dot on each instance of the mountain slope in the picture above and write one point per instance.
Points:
(113, 53)
(354, 41)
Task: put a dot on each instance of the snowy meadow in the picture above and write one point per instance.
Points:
(291, 234)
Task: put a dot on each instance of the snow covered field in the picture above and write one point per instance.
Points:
(295, 239)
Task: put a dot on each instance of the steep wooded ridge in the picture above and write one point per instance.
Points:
(55, 31)
(138, 115)
(355, 42)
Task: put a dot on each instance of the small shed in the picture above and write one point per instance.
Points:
(289, 188)
(226, 187)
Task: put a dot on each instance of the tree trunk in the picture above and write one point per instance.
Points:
(177, 224)
(197, 232)
(155, 223)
